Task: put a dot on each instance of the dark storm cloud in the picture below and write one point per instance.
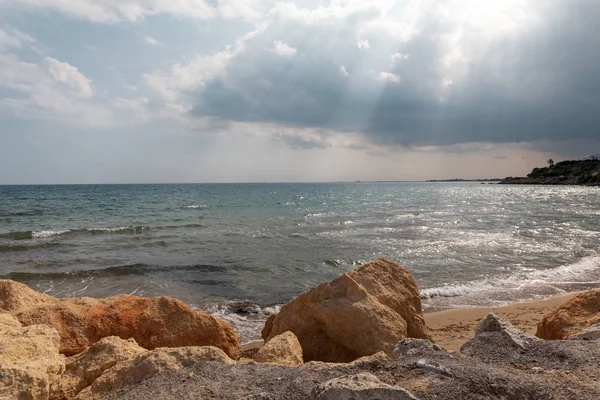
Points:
(538, 84)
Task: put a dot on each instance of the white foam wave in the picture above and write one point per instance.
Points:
(197, 206)
(569, 273)
(118, 229)
(46, 234)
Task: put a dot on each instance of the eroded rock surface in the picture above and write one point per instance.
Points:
(152, 322)
(283, 349)
(148, 364)
(29, 360)
(82, 369)
(571, 317)
(357, 314)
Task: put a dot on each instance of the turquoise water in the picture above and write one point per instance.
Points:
(214, 245)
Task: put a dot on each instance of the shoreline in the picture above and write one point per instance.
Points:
(453, 327)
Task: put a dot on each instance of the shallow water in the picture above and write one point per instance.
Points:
(467, 244)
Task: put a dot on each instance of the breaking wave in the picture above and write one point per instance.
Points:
(575, 273)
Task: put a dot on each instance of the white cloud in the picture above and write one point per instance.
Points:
(344, 71)
(363, 44)
(70, 76)
(111, 11)
(283, 49)
(388, 77)
(49, 89)
(14, 38)
(151, 41)
(398, 57)
(173, 84)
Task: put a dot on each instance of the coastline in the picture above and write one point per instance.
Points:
(453, 327)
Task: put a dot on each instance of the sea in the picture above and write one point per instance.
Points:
(240, 251)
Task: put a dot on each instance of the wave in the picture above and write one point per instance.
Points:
(115, 271)
(19, 247)
(43, 234)
(197, 206)
(120, 229)
(565, 274)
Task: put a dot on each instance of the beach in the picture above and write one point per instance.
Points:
(452, 328)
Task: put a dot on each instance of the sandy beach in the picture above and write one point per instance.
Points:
(452, 328)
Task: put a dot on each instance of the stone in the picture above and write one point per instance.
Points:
(29, 360)
(433, 366)
(84, 368)
(410, 347)
(146, 365)
(152, 322)
(283, 349)
(364, 386)
(571, 317)
(357, 314)
(590, 333)
(514, 336)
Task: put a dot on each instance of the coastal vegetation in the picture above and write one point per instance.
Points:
(570, 172)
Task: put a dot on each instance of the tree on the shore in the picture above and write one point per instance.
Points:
(550, 162)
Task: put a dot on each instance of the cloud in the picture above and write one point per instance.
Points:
(388, 77)
(14, 38)
(48, 89)
(70, 76)
(482, 73)
(283, 49)
(152, 41)
(112, 11)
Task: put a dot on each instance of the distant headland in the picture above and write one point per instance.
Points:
(571, 172)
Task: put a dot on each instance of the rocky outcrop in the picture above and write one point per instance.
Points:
(589, 333)
(571, 317)
(152, 322)
(29, 360)
(363, 386)
(283, 349)
(358, 314)
(84, 368)
(514, 336)
(148, 364)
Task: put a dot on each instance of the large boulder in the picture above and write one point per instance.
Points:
(146, 365)
(283, 349)
(84, 368)
(152, 322)
(575, 315)
(29, 360)
(357, 314)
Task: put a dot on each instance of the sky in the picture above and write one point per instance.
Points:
(149, 91)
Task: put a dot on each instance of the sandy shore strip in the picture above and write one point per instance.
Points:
(452, 328)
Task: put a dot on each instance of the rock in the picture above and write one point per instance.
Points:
(514, 336)
(589, 333)
(82, 369)
(571, 317)
(410, 347)
(156, 322)
(357, 314)
(370, 361)
(364, 386)
(148, 364)
(29, 360)
(433, 366)
(283, 349)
